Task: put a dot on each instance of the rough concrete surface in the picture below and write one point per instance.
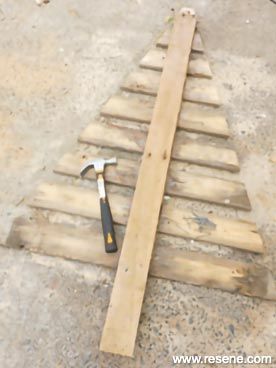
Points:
(59, 62)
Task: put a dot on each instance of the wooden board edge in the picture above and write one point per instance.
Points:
(187, 124)
(252, 280)
(195, 49)
(143, 64)
(55, 197)
(245, 205)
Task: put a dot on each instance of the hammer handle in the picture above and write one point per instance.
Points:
(108, 228)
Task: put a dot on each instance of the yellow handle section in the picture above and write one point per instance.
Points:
(109, 238)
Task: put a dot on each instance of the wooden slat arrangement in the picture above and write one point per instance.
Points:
(195, 172)
(179, 183)
(192, 118)
(196, 89)
(173, 220)
(86, 245)
(111, 135)
(155, 58)
(197, 45)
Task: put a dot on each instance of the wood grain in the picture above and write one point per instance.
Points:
(192, 118)
(131, 139)
(174, 264)
(197, 45)
(120, 329)
(180, 182)
(175, 219)
(196, 89)
(155, 58)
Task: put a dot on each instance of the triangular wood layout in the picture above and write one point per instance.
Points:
(204, 168)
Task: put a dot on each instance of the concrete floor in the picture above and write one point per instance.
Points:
(59, 63)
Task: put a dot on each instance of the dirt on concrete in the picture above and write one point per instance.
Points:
(59, 62)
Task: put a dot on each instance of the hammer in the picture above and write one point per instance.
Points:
(106, 216)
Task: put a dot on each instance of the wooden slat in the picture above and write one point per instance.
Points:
(197, 45)
(86, 245)
(179, 182)
(173, 221)
(130, 139)
(193, 117)
(196, 89)
(155, 57)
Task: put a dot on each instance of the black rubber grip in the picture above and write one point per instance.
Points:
(108, 228)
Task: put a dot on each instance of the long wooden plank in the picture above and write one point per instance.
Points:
(120, 329)
(196, 89)
(197, 45)
(130, 139)
(193, 117)
(179, 183)
(155, 58)
(195, 268)
(173, 220)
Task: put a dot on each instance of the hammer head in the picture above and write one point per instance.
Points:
(97, 164)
